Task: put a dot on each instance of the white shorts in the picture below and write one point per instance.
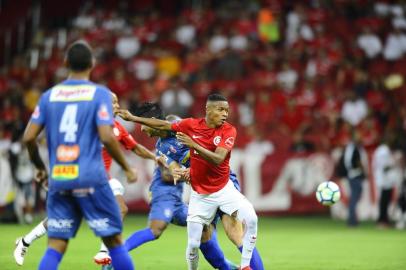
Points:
(116, 187)
(203, 207)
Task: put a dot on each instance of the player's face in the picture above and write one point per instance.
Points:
(217, 112)
(116, 106)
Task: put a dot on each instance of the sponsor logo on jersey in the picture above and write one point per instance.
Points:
(100, 224)
(229, 142)
(172, 149)
(67, 153)
(103, 113)
(116, 132)
(216, 140)
(36, 114)
(65, 172)
(69, 93)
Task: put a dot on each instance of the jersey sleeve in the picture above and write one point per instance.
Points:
(104, 108)
(182, 126)
(228, 138)
(39, 115)
(126, 139)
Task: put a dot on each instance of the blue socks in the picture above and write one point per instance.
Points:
(213, 254)
(256, 261)
(50, 260)
(138, 238)
(120, 258)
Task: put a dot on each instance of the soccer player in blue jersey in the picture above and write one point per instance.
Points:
(77, 117)
(173, 152)
(166, 197)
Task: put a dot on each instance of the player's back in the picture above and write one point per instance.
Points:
(72, 112)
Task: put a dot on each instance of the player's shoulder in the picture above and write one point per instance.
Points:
(228, 127)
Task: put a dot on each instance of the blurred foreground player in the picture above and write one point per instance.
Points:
(77, 117)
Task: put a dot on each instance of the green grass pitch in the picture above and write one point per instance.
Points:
(305, 243)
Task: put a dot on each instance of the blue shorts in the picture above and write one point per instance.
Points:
(97, 205)
(168, 208)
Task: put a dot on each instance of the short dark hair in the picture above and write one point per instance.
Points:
(216, 97)
(79, 56)
(149, 110)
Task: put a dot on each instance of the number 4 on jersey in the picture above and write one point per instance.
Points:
(68, 123)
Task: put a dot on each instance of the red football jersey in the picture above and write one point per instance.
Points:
(124, 138)
(206, 177)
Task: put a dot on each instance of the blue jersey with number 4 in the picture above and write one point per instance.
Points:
(71, 112)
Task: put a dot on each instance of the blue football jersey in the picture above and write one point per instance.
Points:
(174, 151)
(71, 112)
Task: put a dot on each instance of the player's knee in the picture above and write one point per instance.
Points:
(112, 241)
(206, 236)
(193, 243)
(157, 232)
(123, 210)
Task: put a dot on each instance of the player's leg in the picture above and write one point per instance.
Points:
(201, 211)
(64, 218)
(101, 212)
(103, 257)
(209, 245)
(160, 215)
(233, 203)
(234, 231)
(24, 242)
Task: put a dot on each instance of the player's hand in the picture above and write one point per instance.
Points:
(161, 161)
(185, 139)
(131, 175)
(181, 173)
(41, 177)
(125, 114)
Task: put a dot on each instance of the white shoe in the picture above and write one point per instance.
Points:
(20, 251)
(102, 258)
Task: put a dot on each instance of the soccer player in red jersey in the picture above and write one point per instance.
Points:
(211, 140)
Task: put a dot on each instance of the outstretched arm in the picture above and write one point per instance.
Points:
(143, 152)
(151, 122)
(216, 157)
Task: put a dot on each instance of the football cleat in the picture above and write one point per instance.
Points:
(246, 268)
(232, 265)
(20, 251)
(102, 258)
(107, 267)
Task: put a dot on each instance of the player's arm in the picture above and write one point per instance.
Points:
(150, 122)
(167, 173)
(108, 139)
(30, 140)
(216, 157)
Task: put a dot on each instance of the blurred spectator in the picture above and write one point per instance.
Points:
(176, 100)
(355, 162)
(127, 45)
(300, 145)
(369, 43)
(395, 45)
(287, 78)
(144, 65)
(354, 109)
(387, 174)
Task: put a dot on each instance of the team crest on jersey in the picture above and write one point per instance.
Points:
(229, 142)
(103, 113)
(36, 114)
(67, 153)
(216, 140)
(172, 149)
(65, 172)
(69, 93)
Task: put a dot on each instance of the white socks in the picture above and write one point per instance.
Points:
(247, 215)
(194, 231)
(36, 233)
(103, 248)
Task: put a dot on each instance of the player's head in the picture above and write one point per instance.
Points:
(114, 100)
(173, 118)
(151, 110)
(79, 57)
(216, 110)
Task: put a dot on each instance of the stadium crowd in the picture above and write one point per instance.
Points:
(300, 74)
